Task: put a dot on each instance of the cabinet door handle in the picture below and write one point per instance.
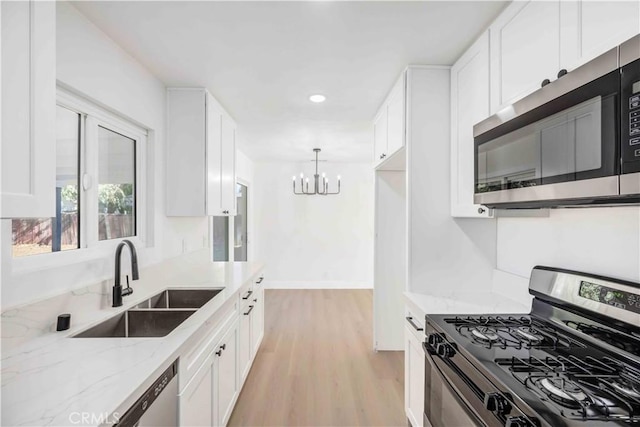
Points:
(225, 212)
(260, 280)
(247, 295)
(250, 308)
(412, 323)
(219, 353)
(255, 300)
(481, 210)
(223, 347)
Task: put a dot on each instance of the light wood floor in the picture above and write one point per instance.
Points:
(316, 366)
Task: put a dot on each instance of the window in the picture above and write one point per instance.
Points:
(223, 226)
(116, 185)
(99, 165)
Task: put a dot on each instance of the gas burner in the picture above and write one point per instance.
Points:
(586, 388)
(563, 392)
(627, 388)
(529, 334)
(515, 332)
(485, 333)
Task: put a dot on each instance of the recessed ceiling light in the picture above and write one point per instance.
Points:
(317, 98)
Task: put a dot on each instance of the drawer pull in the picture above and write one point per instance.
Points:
(260, 280)
(250, 308)
(247, 295)
(412, 323)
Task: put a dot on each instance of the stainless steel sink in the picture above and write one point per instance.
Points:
(180, 298)
(137, 324)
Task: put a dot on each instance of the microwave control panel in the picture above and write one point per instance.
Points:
(630, 118)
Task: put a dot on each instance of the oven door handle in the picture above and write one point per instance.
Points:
(461, 402)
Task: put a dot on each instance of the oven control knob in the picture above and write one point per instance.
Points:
(517, 422)
(434, 339)
(495, 402)
(444, 350)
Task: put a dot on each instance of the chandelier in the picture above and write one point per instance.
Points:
(317, 187)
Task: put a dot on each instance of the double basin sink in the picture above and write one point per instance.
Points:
(154, 317)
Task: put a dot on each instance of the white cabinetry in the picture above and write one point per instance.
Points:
(28, 109)
(200, 155)
(209, 396)
(525, 50)
(414, 362)
(196, 400)
(470, 91)
(215, 366)
(257, 317)
(245, 321)
(389, 124)
(225, 378)
(251, 323)
(590, 28)
(532, 41)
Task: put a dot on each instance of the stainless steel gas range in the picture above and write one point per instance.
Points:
(573, 361)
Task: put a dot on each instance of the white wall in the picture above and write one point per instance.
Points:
(445, 254)
(315, 241)
(91, 64)
(604, 241)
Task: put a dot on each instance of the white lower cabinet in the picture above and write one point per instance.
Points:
(225, 377)
(208, 398)
(244, 349)
(257, 320)
(414, 364)
(196, 400)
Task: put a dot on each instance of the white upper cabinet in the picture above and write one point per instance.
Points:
(200, 155)
(532, 41)
(590, 28)
(470, 91)
(28, 109)
(525, 50)
(389, 124)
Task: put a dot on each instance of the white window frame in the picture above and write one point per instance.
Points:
(90, 247)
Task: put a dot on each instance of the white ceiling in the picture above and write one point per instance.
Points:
(262, 60)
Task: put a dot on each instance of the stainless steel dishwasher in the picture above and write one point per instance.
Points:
(158, 406)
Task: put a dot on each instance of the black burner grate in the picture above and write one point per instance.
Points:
(585, 389)
(515, 332)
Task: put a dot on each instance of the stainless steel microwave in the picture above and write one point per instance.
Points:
(575, 141)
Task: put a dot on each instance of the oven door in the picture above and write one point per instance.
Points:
(443, 406)
(457, 394)
(558, 146)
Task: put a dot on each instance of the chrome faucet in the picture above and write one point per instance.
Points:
(118, 292)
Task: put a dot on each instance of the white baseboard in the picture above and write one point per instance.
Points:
(320, 284)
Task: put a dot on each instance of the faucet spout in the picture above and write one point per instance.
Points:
(118, 292)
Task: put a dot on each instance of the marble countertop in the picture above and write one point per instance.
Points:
(466, 303)
(53, 380)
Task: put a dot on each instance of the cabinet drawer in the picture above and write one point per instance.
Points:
(415, 324)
